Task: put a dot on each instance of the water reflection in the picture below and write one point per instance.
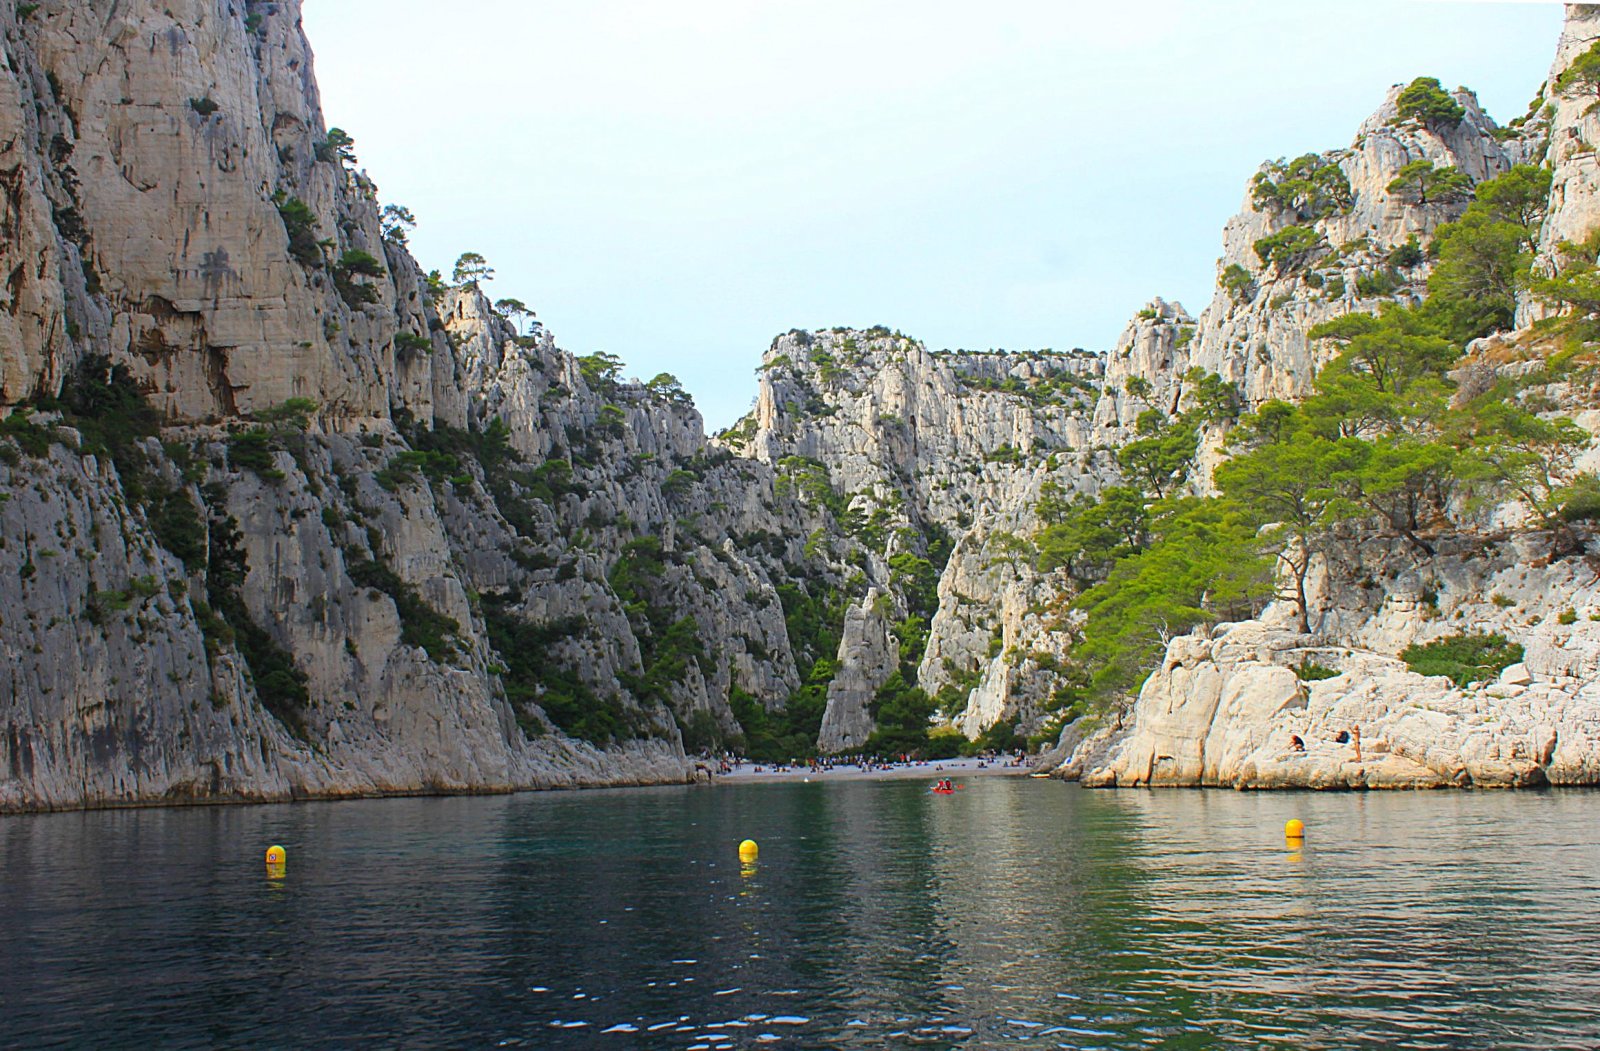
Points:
(1012, 913)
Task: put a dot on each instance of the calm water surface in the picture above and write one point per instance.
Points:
(1013, 914)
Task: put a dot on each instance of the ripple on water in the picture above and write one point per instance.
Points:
(1020, 913)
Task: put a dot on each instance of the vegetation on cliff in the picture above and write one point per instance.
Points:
(1390, 442)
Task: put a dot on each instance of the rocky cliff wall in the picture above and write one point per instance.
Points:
(278, 517)
(942, 456)
(1227, 704)
(963, 444)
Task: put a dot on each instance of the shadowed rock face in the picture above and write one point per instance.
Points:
(174, 205)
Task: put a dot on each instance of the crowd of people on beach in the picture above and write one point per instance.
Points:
(728, 763)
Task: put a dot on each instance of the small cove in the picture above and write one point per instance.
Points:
(1014, 913)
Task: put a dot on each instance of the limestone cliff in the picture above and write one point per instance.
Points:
(963, 444)
(936, 461)
(1228, 705)
(280, 518)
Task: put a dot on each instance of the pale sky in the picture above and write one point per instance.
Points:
(677, 182)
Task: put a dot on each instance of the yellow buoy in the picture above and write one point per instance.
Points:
(1295, 829)
(277, 859)
(748, 850)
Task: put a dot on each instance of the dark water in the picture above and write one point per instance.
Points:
(1015, 913)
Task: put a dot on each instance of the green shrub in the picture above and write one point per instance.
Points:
(1310, 672)
(678, 483)
(1425, 101)
(901, 712)
(411, 343)
(1379, 284)
(1001, 737)
(600, 371)
(337, 147)
(535, 679)
(300, 223)
(294, 414)
(1238, 281)
(1311, 187)
(205, 107)
(420, 624)
(436, 465)
(280, 686)
(1583, 75)
(946, 742)
(1568, 616)
(1464, 658)
(1421, 183)
(1405, 256)
(351, 265)
(252, 450)
(1290, 248)
(783, 734)
(178, 526)
(32, 438)
(1582, 500)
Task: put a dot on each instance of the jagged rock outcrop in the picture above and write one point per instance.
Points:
(179, 206)
(1254, 332)
(1574, 210)
(868, 655)
(943, 455)
(1224, 705)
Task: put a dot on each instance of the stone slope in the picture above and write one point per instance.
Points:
(933, 452)
(1223, 706)
(385, 542)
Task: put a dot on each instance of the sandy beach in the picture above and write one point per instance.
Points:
(748, 773)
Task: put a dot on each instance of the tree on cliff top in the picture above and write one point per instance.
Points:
(338, 146)
(514, 311)
(1427, 103)
(471, 269)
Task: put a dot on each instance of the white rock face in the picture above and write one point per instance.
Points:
(152, 146)
(1257, 339)
(115, 693)
(868, 655)
(1574, 210)
(478, 537)
(1224, 706)
(163, 139)
(956, 448)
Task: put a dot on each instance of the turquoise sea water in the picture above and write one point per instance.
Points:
(1013, 914)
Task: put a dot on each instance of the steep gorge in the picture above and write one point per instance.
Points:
(283, 517)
